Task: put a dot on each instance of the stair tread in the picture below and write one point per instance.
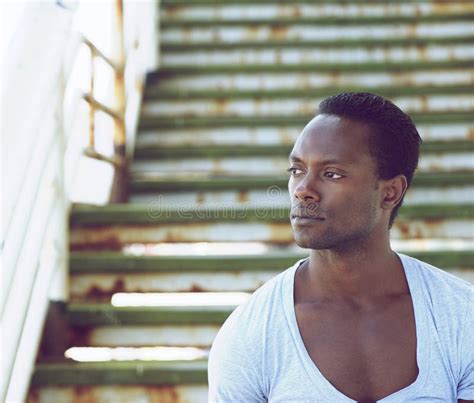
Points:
(143, 182)
(219, 121)
(93, 314)
(347, 21)
(310, 67)
(253, 2)
(116, 262)
(154, 91)
(174, 46)
(116, 214)
(121, 372)
(236, 150)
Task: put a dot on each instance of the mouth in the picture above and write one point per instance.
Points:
(304, 219)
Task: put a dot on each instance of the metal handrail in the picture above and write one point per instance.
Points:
(117, 112)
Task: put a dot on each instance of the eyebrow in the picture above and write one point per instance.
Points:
(295, 158)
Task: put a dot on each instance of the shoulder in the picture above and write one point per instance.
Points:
(236, 359)
(248, 319)
(441, 288)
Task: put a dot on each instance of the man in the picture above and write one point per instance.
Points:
(355, 321)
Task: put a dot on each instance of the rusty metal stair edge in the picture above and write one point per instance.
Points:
(153, 215)
(253, 2)
(176, 46)
(116, 262)
(154, 91)
(307, 67)
(142, 183)
(124, 373)
(221, 151)
(347, 21)
(236, 121)
(93, 314)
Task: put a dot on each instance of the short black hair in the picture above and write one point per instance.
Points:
(394, 142)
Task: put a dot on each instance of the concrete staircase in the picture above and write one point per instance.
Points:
(209, 205)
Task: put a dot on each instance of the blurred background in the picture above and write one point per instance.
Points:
(144, 154)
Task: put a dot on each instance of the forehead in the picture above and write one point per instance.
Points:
(333, 137)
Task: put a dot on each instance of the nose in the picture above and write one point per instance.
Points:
(306, 188)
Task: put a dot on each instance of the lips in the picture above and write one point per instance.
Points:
(305, 214)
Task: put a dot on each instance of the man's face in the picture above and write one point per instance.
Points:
(333, 185)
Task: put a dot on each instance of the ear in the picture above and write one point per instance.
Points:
(393, 191)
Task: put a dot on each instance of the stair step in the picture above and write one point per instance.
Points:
(301, 93)
(252, 121)
(235, 191)
(356, 55)
(177, 183)
(85, 215)
(116, 393)
(222, 151)
(180, 9)
(115, 226)
(99, 276)
(276, 165)
(280, 135)
(180, 335)
(184, 41)
(123, 373)
(314, 15)
(113, 262)
(291, 107)
(308, 83)
(88, 314)
(324, 67)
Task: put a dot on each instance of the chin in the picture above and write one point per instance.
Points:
(307, 242)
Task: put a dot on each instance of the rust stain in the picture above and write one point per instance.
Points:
(243, 196)
(279, 32)
(33, 396)
(335, 78)
(164, 394)
(187, 33)
(217, 166)
(278, 56)
(221, 106)
(98, 293)
(447, 7)
(281, 233)
(404, 228)
(108, 243)
(196, 288)
(200, 198)
(412, 30)
(296, 12)
(81, 336)
(424, 103)
(251, 33)
(423, 51)
(470, 135)
(173, 10)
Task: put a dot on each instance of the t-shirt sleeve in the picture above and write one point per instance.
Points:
(466, 354)
(234, 368)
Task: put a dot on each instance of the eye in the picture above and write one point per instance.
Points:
(293, 171)
(332, 175)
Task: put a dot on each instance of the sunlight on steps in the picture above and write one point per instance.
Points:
(180, 299)
(198, 248)
(256, 248)
(101, 354)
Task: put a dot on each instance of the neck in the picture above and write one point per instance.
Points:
(358, 272)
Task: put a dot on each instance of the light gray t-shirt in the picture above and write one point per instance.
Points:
(259, 354)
